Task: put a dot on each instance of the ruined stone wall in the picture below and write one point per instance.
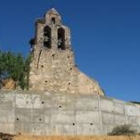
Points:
(44, 113)
(56, 71)
(53, 68)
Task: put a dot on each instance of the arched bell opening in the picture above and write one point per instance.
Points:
(61, 38)
(47, 37)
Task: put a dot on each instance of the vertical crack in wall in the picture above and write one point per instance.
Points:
(39, 59)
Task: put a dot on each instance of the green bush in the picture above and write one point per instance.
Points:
(16, 67)
(122, 130)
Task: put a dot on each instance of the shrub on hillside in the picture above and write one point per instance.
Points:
(16, 67)
(122, 130)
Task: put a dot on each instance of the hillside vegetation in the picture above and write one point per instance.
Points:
(14, 67)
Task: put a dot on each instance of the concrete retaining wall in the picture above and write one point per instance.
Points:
(63, 114)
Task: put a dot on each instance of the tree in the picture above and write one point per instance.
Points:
(16, 67)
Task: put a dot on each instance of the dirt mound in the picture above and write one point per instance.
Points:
(8, 84)
(77, 138)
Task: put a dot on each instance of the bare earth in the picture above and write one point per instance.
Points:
(76, 138)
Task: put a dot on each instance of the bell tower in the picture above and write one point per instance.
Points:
(51, 34)
(53, 67)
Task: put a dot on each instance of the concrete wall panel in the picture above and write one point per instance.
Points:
(108, 118)
(119, 108)
(120, 119)
(107, 105)
(88, 129)
(23, 128)
(23, 115)
(7, 114)
(38, 129)
(87, 117)
(24, 101)
(132, 110)
(64, 114)
(63, 117)
(87, 104)
(37, 102)
(134, 120)
(7, 127)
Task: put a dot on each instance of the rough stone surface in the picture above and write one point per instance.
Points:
(44, 113)
(53, 66)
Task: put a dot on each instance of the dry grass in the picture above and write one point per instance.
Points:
(77, 137)
(27, 137)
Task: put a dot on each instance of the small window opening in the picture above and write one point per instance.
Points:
(47, 37)
(40, 119)
(61, 38)
(53, 20)
(91, 123)
(60, 106)
(73, 124)
(70, 68)
(46, 81)
(42, 102)
(17, 119)
(42, 66)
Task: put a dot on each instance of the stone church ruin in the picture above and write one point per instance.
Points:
(53, 66)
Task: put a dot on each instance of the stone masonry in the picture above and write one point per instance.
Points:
(53, 66)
